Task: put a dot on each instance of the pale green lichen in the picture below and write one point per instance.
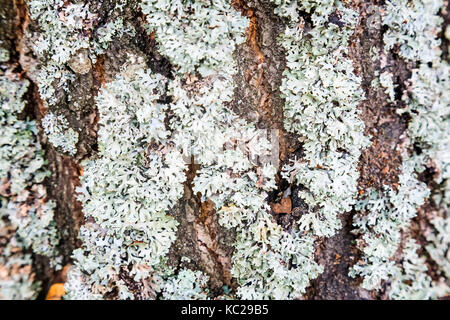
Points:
(383, 217)
(196, 35)
(51, 78)
(447, 36)
(78, 286)
(387, 83)
(413, 26)
(67, 31)
(430, 113)
(439, 244)
(186, 285)
(16, 277)
(59, 134)
(128, 191)
(226, 147)
(130, 187)
(410, 279)
(68, 27)
(4, 55)
(108, 33)
(61, 27)
(322, 93)
(26, 217)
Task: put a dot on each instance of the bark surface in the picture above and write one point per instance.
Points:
(261, 62)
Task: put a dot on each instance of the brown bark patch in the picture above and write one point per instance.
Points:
(201, 239)
(337, 254)
(258, 80)
(285, 206)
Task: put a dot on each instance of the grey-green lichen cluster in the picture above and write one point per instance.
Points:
(385, 80)
(186, 285)
(4, 54)
(197, 36)
(59, 134)
(439, 242)
(127, 191)
(26, 216)
(67, 43)
(268, 262)
(322, 94)
(69, 36)
(413, 28)
(130, 189)
(385, 216)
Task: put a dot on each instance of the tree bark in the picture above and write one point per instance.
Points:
(261, 61)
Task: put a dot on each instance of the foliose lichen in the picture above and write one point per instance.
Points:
(322, 94)
(413, 28)
(26, 216)
(227, 149)
(59, 134)
(127, 191)
(67, 37)
(186, 285)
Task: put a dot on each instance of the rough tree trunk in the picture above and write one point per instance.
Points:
(260, 60)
